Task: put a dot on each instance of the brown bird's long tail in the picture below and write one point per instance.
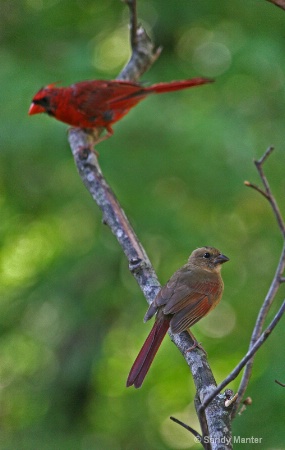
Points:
(147, 353)
(160, 88)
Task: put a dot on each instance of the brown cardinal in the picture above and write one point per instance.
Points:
(190, 294)
(99, 103)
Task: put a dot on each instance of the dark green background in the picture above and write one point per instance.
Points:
(70, 312)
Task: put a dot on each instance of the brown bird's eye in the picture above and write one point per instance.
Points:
(206, 255)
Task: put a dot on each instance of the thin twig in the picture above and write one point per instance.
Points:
(143, 54)
(258, 338)
(232, 376)
(203, 422)
(264, 157)
(256, 188)
(275, 284)
(279, 382)
(132, 4)
(259, 324)
(187, 427)
(259, 165)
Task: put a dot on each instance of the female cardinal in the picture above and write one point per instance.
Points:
(99, 103)
(190, 294)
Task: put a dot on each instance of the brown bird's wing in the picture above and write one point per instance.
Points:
(198, 307)
(189, 296)
(176, 287)
(176, 284)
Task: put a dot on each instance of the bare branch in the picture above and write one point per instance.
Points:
(259, 165)
(279, 3)
(258, 338)
(232, 376)
(187, 427)
(143, 54)
(279, 382)
(254, 186)
(113, 215)
(276, 279)
(132, 4)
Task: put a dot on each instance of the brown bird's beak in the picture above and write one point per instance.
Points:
(221, 259)
(36, 109)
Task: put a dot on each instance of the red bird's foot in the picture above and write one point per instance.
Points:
(101, 138)
(97, 135)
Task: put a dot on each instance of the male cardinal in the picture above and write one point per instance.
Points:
(99, 103)
(190, 294)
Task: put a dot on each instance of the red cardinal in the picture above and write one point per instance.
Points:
(190, 294)
(99, 103)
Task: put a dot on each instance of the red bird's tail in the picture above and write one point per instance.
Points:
(147, 353)
(160, 88)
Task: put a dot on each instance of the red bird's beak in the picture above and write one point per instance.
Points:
(36, 109)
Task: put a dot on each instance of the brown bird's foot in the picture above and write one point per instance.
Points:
(195, 345)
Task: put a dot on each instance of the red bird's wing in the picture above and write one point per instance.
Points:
(105, 102)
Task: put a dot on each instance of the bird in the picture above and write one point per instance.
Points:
(99, 103)
(189, 295)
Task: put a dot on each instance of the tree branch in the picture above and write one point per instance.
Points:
(143, 53)
(276, 282)
(214, 421)
(187, 427)
(279, 3)
(258, 338)
(232, 376)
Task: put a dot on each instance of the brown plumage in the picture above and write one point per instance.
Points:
(190, 294)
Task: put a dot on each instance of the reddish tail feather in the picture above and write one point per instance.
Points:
(160, 88)
(147, 353)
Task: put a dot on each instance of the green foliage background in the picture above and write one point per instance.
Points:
(70, 313)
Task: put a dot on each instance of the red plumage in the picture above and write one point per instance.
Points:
(99, 103)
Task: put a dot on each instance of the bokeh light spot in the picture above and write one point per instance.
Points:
(212, 58)
(110, 50)
(220, 322)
